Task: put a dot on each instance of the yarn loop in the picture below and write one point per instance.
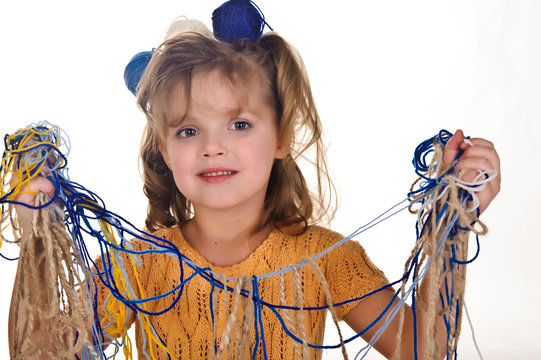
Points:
(443, 224)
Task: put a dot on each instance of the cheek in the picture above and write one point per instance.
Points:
(181, 166)
(261, 153)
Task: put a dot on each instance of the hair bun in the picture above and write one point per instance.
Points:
(135, 68)
(238, 19)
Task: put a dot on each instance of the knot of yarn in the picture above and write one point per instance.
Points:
(135, 68)
(238, 19)
(422, 152)
(426, 161)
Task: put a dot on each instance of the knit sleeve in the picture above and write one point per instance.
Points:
(115, 317)
(350, 275)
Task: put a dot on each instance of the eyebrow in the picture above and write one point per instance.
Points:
(174, 118)
(174, 122)
(230, 112)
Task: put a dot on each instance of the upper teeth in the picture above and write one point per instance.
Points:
(217, 173)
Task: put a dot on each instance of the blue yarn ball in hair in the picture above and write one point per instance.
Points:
(135, 68)
(237, 19)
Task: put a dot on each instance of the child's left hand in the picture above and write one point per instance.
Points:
(480, 156)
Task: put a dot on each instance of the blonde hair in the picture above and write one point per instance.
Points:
(288, 203)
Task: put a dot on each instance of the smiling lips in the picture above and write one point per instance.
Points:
(216, 176)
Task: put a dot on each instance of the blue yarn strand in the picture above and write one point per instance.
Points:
(83, 208)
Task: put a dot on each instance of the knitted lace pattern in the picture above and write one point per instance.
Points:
(187, 329)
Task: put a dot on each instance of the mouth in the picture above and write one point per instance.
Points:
(217, 173)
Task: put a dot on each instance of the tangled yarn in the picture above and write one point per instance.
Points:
(439, 198)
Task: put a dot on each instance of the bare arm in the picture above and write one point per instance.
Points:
(481, 155)
(360, 317)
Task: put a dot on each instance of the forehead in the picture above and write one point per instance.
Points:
(216, 89)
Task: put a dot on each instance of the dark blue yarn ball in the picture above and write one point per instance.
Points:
(134, 69)
(237, 19)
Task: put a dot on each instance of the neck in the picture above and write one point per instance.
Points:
(223, 226)
(226, 227)
(225, 237)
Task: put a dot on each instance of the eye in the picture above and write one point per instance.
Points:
(187, 132)
(240, 125)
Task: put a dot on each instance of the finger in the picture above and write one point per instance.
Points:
(452, 148)
(469, 168)
(474, 164)
(28, 196)
(488, 153)
(37, 185)
(481, 142)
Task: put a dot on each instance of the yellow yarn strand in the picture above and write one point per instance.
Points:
(14, 175)
(120, 311)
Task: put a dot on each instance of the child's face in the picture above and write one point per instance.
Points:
(221, 153)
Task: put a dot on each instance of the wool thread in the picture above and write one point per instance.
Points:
(329, 300)
(440, 199)
(47, 271)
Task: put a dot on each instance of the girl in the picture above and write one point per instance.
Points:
(227, 123)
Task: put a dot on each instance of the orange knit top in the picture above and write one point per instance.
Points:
(188, 330)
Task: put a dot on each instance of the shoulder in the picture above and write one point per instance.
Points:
(157, 239)
(319, 236)
(340, 252)
(170, 233)
(152, 249)
(320, 243)
(324, 233)
(322, 239)
(347, 268)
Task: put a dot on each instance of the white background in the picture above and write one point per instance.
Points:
(385, 74)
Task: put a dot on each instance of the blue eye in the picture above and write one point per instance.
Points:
(240, 125)
(188, 132)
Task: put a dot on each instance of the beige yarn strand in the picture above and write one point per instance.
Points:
(231, 321)
(330, 303)
(47, 291)
(287, 317)
(438, 273)
(243, 346)
(299, 314)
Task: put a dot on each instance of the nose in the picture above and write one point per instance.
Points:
(214, 146)
(210, 154)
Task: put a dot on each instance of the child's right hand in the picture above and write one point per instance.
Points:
(28, 196)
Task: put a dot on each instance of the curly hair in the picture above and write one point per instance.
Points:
(288, 202)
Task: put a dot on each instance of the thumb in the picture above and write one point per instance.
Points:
(453, 148)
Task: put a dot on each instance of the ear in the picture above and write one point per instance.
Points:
(165, 155)
(281, 151)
